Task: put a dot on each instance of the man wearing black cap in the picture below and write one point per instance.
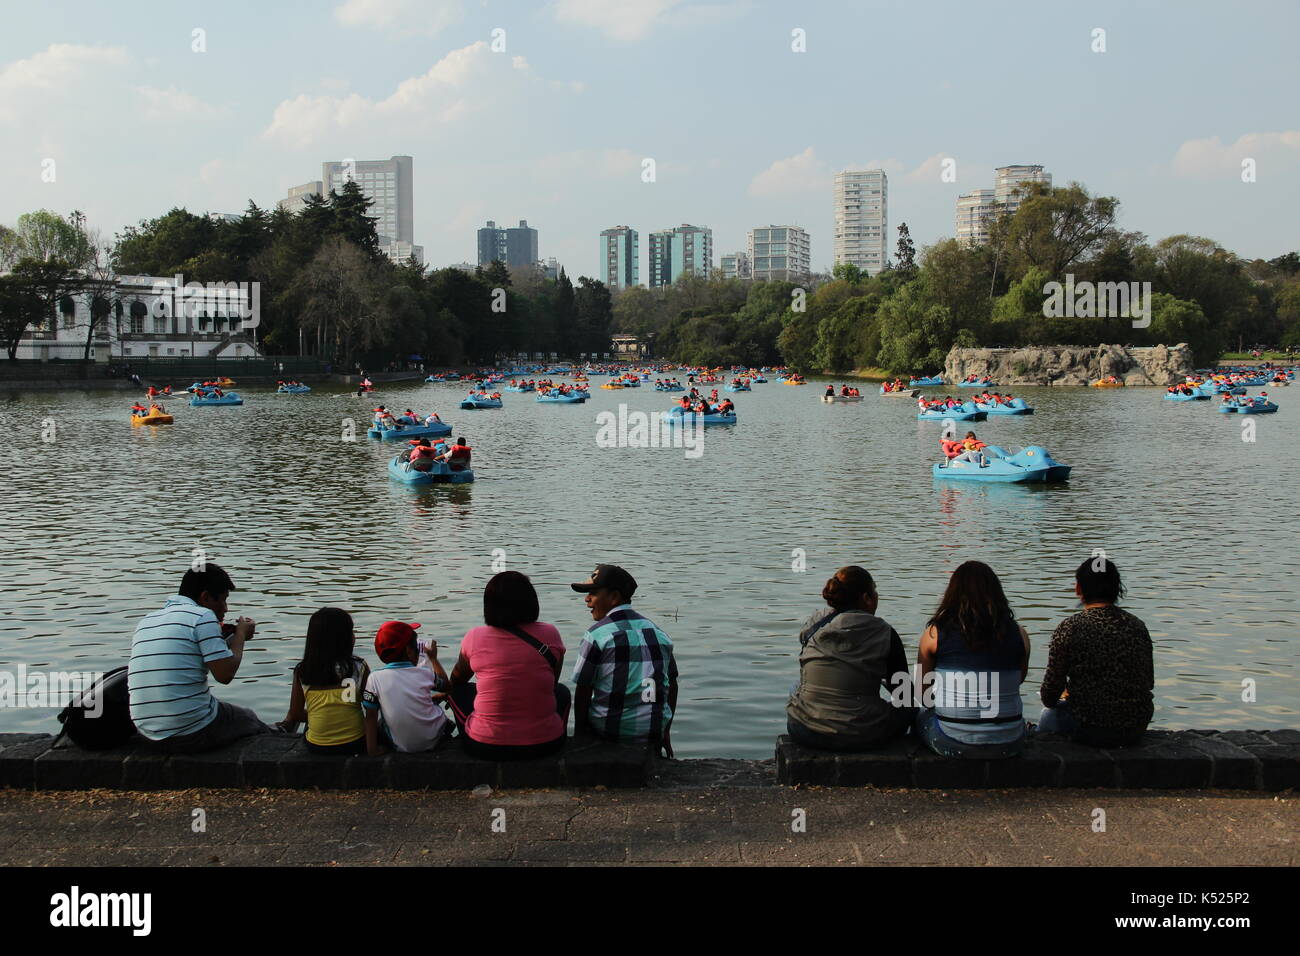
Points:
(625, 676)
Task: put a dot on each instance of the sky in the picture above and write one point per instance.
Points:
(546, 111)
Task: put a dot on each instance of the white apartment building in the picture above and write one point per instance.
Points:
(973, 213)
(296, 201)
(861, 219)
(736, 266)
(779, 252)
(1007, 187)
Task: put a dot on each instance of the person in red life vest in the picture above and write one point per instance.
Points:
(972, 450)
(422, 455)
(727, 407)
(951, 447)
(137, 409)
(458, 456)
(167, 390)
(153, 392)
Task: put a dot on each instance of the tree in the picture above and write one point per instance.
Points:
(1054, 228)
(20, 305)
(906, 253)
(342, 296)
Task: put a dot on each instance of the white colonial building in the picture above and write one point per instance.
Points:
(154, 317)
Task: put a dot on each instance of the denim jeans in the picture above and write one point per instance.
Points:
(1057, 720)
(927, 726)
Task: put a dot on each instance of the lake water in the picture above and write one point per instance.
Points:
(99, 524)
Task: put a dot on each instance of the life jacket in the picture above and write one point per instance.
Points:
(460, 456)
(951, 448)
(972, 444)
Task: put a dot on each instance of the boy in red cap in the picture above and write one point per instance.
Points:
(401, 693)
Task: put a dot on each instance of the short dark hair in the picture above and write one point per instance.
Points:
(509, 600)
(1104, 585)
(211, 578)
(848, 587)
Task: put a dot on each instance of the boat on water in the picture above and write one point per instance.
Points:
(1195, 395)
(733, 387)
(400, 468)
(563, 398)
(678, 416)
(1250, 406)
(207, 398)
(518, 388)
(979, 383)
(1016, 406)
(293, 389)
(473, 401)
(1109, 382)
(152, 418)
(1030, 464)
(406, 430)
(898, 392)
(965, 412)
(833, 399)
(925, 382)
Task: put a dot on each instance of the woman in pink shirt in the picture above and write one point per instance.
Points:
(516, 708)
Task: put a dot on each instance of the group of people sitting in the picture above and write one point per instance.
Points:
(424, 453)
(897, 385)
(975, 378)
(154, 392)
(962, 697)
(483, 393)
(925, 404)
(668, 383)
(154, 409)
(386, 420)
(993, 398)
(1182, 388)
(504, 692)
(969, 449)
(1242, 401)
(697, 403)
(562, 388)
(291, 383)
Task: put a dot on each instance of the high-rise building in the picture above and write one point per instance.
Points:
(620, 257)
(388, 184)
(1008, 189)
(514, 246)
(779, 252)
(974, 210)
(862, 219)
(296, 201)
(735, 266)
(684, 250)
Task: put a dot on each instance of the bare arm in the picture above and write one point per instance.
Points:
(224, 670)
(1024, 661)
(297, 707)
(581, 709)
(373, 746)
(462, 672)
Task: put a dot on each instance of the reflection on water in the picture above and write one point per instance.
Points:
(100, 523)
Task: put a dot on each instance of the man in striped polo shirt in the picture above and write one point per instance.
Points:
(172, 653)
(625, 676)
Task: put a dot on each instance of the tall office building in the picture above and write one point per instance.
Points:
(779, 252)
(684, 250)
(388, 183)
(1007, 187)
(974, 210)
(515, 246)
(620, 257)
(296, 201)
(735, 266)
(862, 219)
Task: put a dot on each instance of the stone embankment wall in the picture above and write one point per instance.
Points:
(1072, 365)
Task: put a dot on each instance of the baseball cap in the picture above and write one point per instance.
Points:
(393, 639)
(608, 576)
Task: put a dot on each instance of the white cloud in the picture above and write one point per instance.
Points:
(442, 95)
(629, 20)
(931, 169)
(61, 70)
(1209, 158)
(173, 105)
(427, 17)
(800, 173)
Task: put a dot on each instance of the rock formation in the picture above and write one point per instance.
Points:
(1072, 365)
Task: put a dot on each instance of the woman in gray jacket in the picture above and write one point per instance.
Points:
(847, 667)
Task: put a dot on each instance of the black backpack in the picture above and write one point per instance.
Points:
(100, 716)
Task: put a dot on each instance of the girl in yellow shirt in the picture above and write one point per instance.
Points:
(327, 686)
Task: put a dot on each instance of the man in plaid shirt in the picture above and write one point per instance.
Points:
(625, 675)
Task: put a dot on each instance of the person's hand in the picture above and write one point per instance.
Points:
(244, 628)
(667, 745)
(431, 651)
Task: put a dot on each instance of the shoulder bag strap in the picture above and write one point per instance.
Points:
(540, 647)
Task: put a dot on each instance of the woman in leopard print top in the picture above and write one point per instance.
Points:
(1097, 687)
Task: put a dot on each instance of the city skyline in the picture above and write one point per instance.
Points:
(212, 113)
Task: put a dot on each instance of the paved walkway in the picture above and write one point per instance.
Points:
(734, 825)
